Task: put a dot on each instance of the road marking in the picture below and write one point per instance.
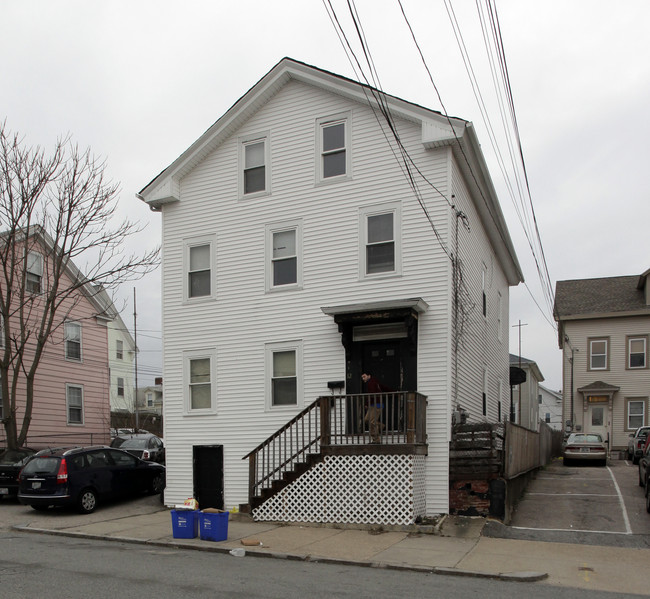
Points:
(628, 528)
(602, 532)
(573, 494)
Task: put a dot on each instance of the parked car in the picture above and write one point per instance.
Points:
(84, 476)
(636, 443)
(11, 462)
(584, 446)
(145, 446)
(644, 466)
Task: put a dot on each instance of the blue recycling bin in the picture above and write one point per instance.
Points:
(185, 524)
(213, 526)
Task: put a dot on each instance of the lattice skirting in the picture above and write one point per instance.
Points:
(375, 489)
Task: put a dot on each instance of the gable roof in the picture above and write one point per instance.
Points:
(598, 298)
(437, 131)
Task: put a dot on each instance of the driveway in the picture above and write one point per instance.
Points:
(581, 504)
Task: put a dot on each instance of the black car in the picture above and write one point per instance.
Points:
(11, 461)
(145, 446)
(83, 476)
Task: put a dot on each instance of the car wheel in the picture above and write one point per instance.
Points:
(635, 460)
(41, 508)
(641, 481)
(157, 484)
(87, 501)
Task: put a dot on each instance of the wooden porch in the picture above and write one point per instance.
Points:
(335, 425)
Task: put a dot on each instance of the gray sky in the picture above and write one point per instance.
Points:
(139, 80)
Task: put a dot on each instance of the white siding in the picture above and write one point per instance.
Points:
(243, 317)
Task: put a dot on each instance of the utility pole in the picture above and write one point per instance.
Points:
(135, 340)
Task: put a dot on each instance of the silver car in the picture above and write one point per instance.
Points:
(584, 446)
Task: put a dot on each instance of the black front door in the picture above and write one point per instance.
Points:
(208, 476)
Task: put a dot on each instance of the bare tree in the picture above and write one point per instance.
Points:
(57, 218)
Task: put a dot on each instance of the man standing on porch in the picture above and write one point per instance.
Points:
(374, 406)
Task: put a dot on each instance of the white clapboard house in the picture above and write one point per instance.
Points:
(302, 246)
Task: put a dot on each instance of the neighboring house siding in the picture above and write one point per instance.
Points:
(330, 219)
(632, 383)
(49, 424)
(121, 368)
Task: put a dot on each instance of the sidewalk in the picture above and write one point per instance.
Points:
(458, 549)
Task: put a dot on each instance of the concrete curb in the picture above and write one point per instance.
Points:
(252, 552)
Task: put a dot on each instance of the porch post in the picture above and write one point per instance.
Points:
(325, 430)
(410, 418)
(252, 472)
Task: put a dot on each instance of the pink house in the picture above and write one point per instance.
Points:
(71, 388)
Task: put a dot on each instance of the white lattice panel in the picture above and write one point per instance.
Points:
(354, 490)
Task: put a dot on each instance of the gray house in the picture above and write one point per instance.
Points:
(603, 327)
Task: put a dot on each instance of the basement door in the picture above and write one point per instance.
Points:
(208, 475)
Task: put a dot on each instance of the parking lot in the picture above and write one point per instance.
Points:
(583, 503)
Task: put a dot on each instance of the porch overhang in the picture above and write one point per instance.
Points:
(416, 304)
(598, 392)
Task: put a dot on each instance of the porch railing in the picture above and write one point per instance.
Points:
(336, 425)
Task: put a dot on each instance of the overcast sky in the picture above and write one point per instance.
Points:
(138, 81)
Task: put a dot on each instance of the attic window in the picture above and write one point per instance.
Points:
(254, 165)
(254, 169)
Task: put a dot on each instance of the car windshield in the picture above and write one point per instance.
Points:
(13, 456)
(134, 444)
(585, 438)
(42, 465)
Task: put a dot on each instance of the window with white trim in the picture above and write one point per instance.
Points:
(199, 268)
(484, 288)
(199, 376)
(499, 316)
(380, 240)
(120, 387)
(635, 413)
(637, 351)
(485, 390)
(284, 251)
(283, 367)
(149, 397)
(73, 341)
(598, 354)
(75, 403)
(254, 165)
(333, 148)
(119, 349)
(33, 282)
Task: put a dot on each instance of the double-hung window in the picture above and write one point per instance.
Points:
(73, 341)
(254, 165)
(637, 348)
(333, 148)
(380, 247)
(120, 387)
(75, 404)
(34, 272)
(199, 264)
(635, 413)
(598, 356)
(119, 349)
(199, 379)
(284, 262)
(283, 371)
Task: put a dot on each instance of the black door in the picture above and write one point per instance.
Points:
(208, 476)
